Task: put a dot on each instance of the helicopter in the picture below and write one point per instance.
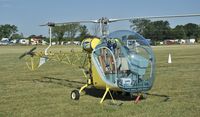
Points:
(120, 61)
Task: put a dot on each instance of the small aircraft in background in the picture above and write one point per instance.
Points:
(120, 61)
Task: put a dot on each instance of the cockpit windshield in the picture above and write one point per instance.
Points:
(129, 38)
(132, 42)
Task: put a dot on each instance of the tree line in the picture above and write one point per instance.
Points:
(161, 30)
(155, 30)
(70, 32)
(60, 33)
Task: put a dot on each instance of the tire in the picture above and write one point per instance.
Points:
(75, 95)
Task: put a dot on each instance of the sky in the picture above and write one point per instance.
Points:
(27, 15)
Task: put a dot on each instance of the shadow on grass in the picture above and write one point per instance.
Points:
(63, 82)
(166, 98)
(98, 93)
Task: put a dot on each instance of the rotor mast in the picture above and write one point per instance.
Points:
(104, 25)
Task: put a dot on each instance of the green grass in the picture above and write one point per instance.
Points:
(32, 94)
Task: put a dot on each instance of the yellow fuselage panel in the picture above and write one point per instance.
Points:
(99, 83)
(89, 44)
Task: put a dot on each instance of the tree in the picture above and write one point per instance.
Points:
(95, 29)
(7, 30)
(159, 30)
(140, 25)
(83, 32)
(72, 30)
(59, 32)
(179, 32)
(69, 30)
(191, 30)
(17, 36)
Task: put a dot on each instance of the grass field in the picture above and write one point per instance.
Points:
(46, 92)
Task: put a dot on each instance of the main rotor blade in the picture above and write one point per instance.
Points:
(121, 19)
(84, 21)
(156, 17)
(65, 23)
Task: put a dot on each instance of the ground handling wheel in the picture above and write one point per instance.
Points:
(75, 95)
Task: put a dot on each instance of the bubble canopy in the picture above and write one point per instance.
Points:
(126, 60)
(137, 50)
(140, 58)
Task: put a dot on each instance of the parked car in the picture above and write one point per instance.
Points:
(5, 42)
